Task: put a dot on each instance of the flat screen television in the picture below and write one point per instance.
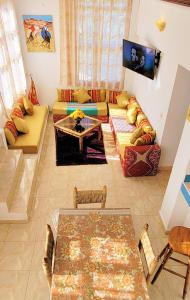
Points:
(141, 59)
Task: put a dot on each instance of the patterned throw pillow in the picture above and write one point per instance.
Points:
(111, 96)
(122, 100)
(144, 123)
(65, 95)
(17, 112)
(20, 124)
(97, 95)
(146, 139)
(81, 96)
(133, 103)
(131, 115)
(28, 106)
(136, 134)
(10, 132)
(140, 116)
(20, 103)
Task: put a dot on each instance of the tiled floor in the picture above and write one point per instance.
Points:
(22, 245)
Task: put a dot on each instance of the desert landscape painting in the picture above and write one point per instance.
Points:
(39, 33)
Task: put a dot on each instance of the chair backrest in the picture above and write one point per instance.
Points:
(90, 196)
(49, 248)
(150, 258)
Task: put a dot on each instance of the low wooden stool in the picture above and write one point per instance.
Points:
(179, 242)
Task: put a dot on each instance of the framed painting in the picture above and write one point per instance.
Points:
(181, 2)
(39, 33)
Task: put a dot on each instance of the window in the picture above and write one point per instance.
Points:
(12, 76)
(93, 42)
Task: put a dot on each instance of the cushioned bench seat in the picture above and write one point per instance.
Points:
(115, 110)
(30, 142)
(136, 160)
(62, 109)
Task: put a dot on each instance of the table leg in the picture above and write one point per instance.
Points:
(99, 133)
(81, 144)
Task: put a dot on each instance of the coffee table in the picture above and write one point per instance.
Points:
(67, 125)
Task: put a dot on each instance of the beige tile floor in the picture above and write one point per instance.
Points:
(22, 245)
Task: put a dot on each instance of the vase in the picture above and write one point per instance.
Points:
(78, 127)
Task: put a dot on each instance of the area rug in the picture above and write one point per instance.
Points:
(67, 150)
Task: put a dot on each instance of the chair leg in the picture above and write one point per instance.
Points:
(186, 279)
(163, 251)
(167, 255)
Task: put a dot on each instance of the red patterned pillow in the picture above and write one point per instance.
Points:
(17, 112)
(65, 95)
(97, 95)
(11, 132)
(112, 96)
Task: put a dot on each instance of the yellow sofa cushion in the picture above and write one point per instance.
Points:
(30, 142)
(122, 100)
(20, 124)
(28, 106)
(20, 103)
(81, 96)
(136, 134)
(115, 110)
(123, 140)
(131, 115)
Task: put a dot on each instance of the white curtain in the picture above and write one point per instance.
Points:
(91, 42)
(12, 76)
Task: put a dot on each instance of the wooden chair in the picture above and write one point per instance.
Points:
(90, 196)
(150, 258)
(49, 248)
(179, 242)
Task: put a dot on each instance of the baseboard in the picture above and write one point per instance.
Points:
(165, 168)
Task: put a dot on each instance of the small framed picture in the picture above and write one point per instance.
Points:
(181, 2)
(39, 33)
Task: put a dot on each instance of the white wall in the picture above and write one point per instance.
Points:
(154, 96)
(43, 66)
(173, 206)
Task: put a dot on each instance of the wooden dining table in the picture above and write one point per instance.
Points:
(96, 257)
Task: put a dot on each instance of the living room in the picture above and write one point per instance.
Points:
(162, 200)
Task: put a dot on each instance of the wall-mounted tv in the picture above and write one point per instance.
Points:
(141, 59)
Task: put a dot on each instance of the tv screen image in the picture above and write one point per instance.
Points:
(139, 58)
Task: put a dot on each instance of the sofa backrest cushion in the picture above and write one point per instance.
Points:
(97, 95)
(111, 96)
(65, 95)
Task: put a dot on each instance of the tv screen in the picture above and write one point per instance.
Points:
(140, 59)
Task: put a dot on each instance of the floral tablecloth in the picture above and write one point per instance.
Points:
(97, 258)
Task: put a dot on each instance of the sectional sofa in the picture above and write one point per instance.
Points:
(27, 134)
(137, 159)
(140, 158)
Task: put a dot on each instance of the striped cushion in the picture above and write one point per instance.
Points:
(145, 124)
(97, 95)
(10, 132)
(111, 96)
(65, 95)
(17, 112)
(145, 139)
(20, 103)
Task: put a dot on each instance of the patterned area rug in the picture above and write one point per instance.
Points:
(67, 150)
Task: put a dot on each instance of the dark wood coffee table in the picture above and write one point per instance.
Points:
(67, 125)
